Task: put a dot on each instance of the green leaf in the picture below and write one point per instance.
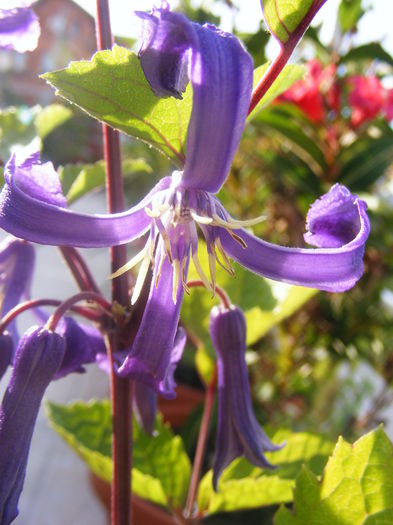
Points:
(50, 118)
(79, 179)
(289, 299)
(16, 128)
(112, 88)
(284, 16)
(293, 131)
(161, 469)
(243, 486)
(372, 51)
(365, 160)
(290, 74)
(356, 487)
(349, 14)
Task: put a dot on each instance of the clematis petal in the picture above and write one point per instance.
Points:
(220, 70)
(238, 432)
(19, 26)
(82, 344)
(30, 211)
(17, 260)
(145, 398)
(336, 218)
(145, 404)
(6, 352)
(151, 351)
(37, 359)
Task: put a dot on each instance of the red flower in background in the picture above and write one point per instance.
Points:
(366, 98)
(316, 91)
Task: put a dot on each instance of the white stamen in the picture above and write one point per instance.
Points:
(233, 224)
(159, 270)
(140, 279)
(200, 271)
(183, 276)
(200, 219)
(212, 267)
(131, 263)
(226, 265)
(175, 276)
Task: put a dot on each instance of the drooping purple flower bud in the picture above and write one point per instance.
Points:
(16, 269)
(19, 26)
(37, 358)
(6, 352)
(238, 432)
(82, 344)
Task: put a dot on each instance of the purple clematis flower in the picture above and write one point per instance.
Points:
(82, 344)
(37, 359)
(238, 432)
(145, 398)
(173, 50)
(19, 26)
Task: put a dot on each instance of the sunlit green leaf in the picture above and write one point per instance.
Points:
(161, 468)
(284, 81)
(79, 179)
(244, 486)
(16, 128)
(349, 14)
(356, 487)
(284, 16)
(112, 88)
(50, 118)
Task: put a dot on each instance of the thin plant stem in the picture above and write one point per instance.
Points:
(224, 298)
(121, 388)
(79, 269)
(210, 396)
(284, 55)
(70, 302)
(269, 77)
(88, 313)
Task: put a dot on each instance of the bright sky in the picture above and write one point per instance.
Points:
(375, 25)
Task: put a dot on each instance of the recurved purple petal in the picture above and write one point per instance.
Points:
(238, 431)
(6, 352)
(37, 359)
(17, 260)
(334, 219)
(145, 398)
(220, 71)
(145, 404)
(82, 344)
(337, 218)
(150, 354)
(19, 26)
(29, 209)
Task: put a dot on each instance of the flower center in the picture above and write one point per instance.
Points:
(176, 212)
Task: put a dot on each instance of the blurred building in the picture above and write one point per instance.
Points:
(67, 33)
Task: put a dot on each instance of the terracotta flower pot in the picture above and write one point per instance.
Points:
(175, 411)
(143, 512)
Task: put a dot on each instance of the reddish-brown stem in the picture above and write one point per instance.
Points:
(79, 269)
(224, 298)
(121, 389)
(88, 313)
(284, 55)
(66, 305)
(269, 77)
(201, 445)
